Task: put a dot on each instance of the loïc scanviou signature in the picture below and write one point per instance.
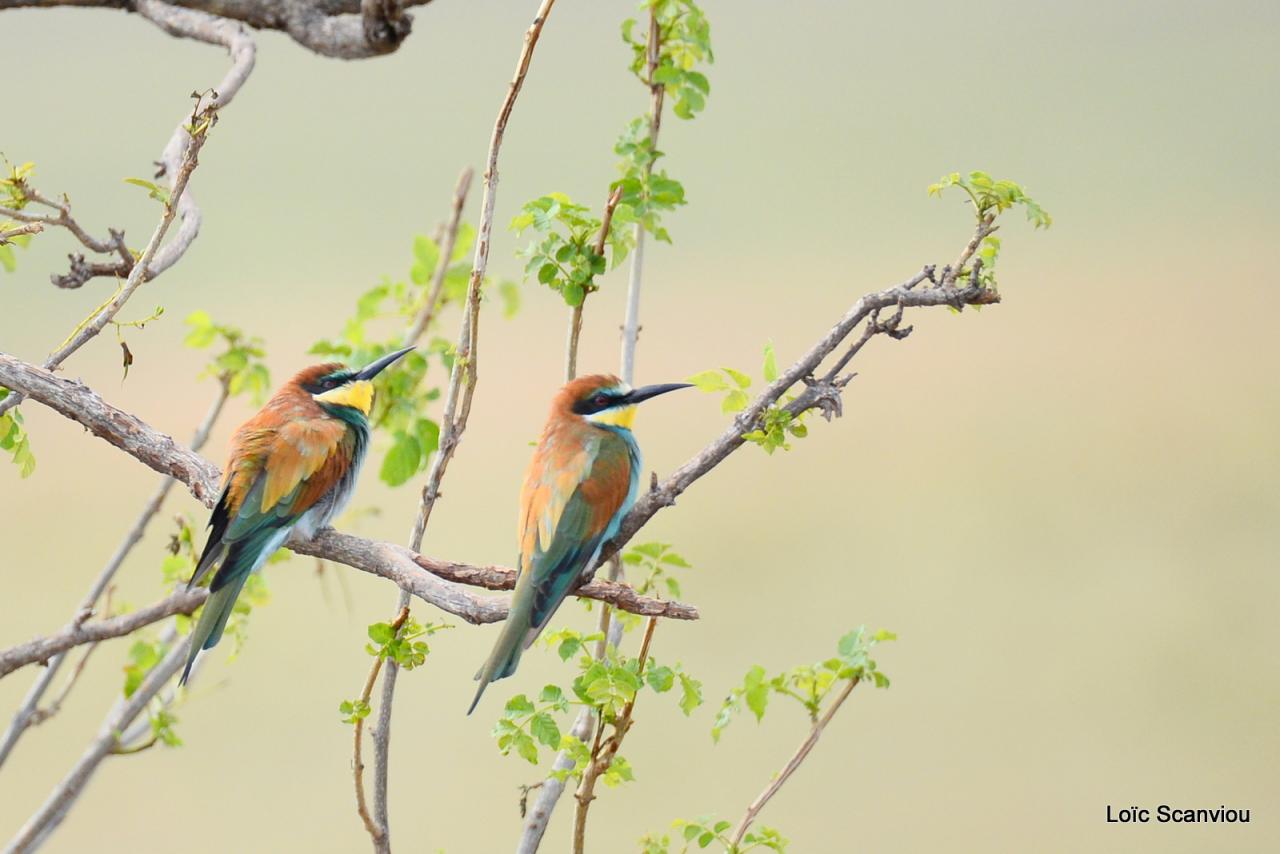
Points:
(1164, 814)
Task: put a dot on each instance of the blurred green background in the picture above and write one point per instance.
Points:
(1065, 505)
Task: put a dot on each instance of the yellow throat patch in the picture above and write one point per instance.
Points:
(357, 395)
(622, 416)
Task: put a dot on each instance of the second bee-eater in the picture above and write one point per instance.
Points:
(584, 477)
(292, 468)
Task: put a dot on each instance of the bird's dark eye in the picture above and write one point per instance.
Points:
(599, 400)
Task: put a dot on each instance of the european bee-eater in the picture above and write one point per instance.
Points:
(584, 477)
(292, 467)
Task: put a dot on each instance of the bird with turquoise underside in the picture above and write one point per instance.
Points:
(292, 468)
(584, 477)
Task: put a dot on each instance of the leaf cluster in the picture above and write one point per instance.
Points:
(239, 362)
(564, 257)
(403, 645)
(707, 830)
(775, 424)
(404, 390)
(808, 684)
(13, 195)
(607, 685)
(684, 42)
(990, 198)
(14, 439)
(650, 566)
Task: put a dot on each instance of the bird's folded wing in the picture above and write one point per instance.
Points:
(568, 512)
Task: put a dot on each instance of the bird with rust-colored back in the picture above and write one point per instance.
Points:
(292, 467)
(583, 479)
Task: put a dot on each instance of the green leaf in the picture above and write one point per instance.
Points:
(519, 705)
(660, 679)
(709, 381)
(527, 748)
(690, 694)
(428, 433)
(569, 647)
(740, 378)
(402, 460)
(734, 401)
(154, 191)
(544, 729)
(770, 364)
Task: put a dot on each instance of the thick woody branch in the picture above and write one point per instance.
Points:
(30, 713)
(342, 29)
(410, 571)
(665, 492)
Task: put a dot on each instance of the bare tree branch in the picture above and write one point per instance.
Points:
(457, 408)
(342, 29)
(376, 831)
(7, 234)
(664, 494)
(424, 317)
(41, 649)
(178, 160)
(790, 768)
(64, 795)
(27, 712)
(657, 92)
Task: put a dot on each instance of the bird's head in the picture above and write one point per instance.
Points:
(334, 384)
(607, 401)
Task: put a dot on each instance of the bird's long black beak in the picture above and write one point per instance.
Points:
(647, 391)
(372, 370)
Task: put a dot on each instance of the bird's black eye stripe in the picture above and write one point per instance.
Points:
(595, 403)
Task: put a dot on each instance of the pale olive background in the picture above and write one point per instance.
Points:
(1065, 505)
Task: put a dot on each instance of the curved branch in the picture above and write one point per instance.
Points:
(42, 649)
(177, 162)
(342, 29)
(29, 713)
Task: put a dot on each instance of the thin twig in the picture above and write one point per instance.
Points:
(657, 91)
(602, 755)
(7, 234)
(537, 819)
(357, 765)
(457, 408)
(104, 315)
(450, 238)
(790, 768)
(551, 788)
(575, 316)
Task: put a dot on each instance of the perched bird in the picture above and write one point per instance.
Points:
(583, 479)
(292, 467)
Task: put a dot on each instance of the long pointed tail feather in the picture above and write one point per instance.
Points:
(504, 659)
